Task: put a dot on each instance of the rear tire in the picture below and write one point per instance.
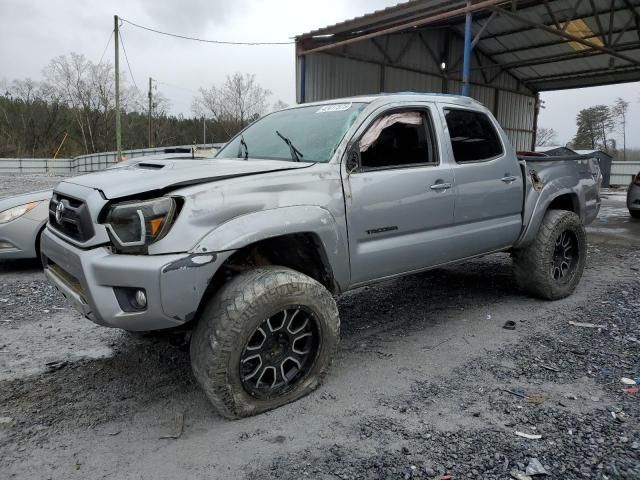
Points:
(551, 266)
(265, 339)
(634, 213)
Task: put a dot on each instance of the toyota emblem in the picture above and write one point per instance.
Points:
(59, 212)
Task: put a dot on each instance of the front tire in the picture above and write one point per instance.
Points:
(551, 266)
(265, 339)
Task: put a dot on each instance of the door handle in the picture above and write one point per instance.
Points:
(441, 186)
(509, 179)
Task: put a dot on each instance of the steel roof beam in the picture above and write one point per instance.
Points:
(565, 35)
(528, 29)
(437, 61)
(551, 14)
(581, 74)
(342, 54)
(598, 80)
(635, 14)
(476, 39)
(572, 17)
(552, 44)
(405, 26)
(382, 51)
(611, 15)
(596, 15)
(620, 33)
(558, 57)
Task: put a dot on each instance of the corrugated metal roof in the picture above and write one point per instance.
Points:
(402, 11)
(539, 54)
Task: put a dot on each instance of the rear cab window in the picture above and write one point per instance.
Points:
(473, 136)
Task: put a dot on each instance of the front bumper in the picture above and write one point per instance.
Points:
(18, 238)
(174, 284)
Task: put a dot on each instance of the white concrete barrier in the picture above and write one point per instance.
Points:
(84, 163)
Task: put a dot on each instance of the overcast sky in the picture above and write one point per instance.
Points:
(34, 31)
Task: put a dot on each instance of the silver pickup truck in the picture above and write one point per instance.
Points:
(250, 248)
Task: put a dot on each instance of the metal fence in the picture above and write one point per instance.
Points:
(84, 163)
(621, 172)
(59, 166)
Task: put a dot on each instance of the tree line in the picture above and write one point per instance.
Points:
(71, 112)
(598, 128)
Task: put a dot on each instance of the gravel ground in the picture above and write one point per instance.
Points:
(426, 384)
(15, 184)
(563, 384)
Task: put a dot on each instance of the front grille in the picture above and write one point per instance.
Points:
(74, 220)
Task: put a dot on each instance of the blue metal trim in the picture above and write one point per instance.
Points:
(303, 75)
(466, 66)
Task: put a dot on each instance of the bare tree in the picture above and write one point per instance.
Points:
(546, 137)
(279, 105)
(88, 90)
(30, 117)
(238, 102)
(619, 111)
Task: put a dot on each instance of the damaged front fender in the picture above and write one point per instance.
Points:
(183, 283)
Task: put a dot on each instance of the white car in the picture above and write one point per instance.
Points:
(22, 219)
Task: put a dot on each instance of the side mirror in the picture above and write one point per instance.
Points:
(353, 158)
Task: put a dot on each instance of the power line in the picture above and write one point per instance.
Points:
(105, 48)
(219, 42)
(133, 79)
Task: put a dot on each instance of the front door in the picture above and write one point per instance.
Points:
(400, 199)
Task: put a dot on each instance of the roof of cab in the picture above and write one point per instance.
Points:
(398, 97)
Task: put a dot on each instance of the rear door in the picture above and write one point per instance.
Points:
(399, 200)
(489, 188)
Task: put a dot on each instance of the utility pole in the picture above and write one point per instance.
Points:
(116, 38)
(150, 108)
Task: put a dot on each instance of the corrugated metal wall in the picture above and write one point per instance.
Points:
(411, 62)
(622, 172)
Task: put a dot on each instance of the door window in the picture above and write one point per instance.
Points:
(398, 139)
(473, 136)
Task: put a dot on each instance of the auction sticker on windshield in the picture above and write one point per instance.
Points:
(336, 107)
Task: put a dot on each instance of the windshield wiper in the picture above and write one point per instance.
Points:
(243, 145)
(296, 154)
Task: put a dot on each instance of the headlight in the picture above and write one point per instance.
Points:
(15, 212)
(135, 225)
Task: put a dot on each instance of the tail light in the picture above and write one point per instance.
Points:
(636, 179)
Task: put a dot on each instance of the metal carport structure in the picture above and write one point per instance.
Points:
(503, 53)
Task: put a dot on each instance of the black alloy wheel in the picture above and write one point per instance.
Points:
(565, 255)
(279, 353)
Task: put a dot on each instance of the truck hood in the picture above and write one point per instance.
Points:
(167, 174)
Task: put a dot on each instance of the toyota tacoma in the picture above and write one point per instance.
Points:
(249, 249)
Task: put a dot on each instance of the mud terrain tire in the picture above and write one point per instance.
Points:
(551, 266)
(230, 324)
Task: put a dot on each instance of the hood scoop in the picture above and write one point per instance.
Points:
(151, 166)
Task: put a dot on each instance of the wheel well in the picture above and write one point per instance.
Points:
(299, 251)
(568, 201)
(38, 239)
